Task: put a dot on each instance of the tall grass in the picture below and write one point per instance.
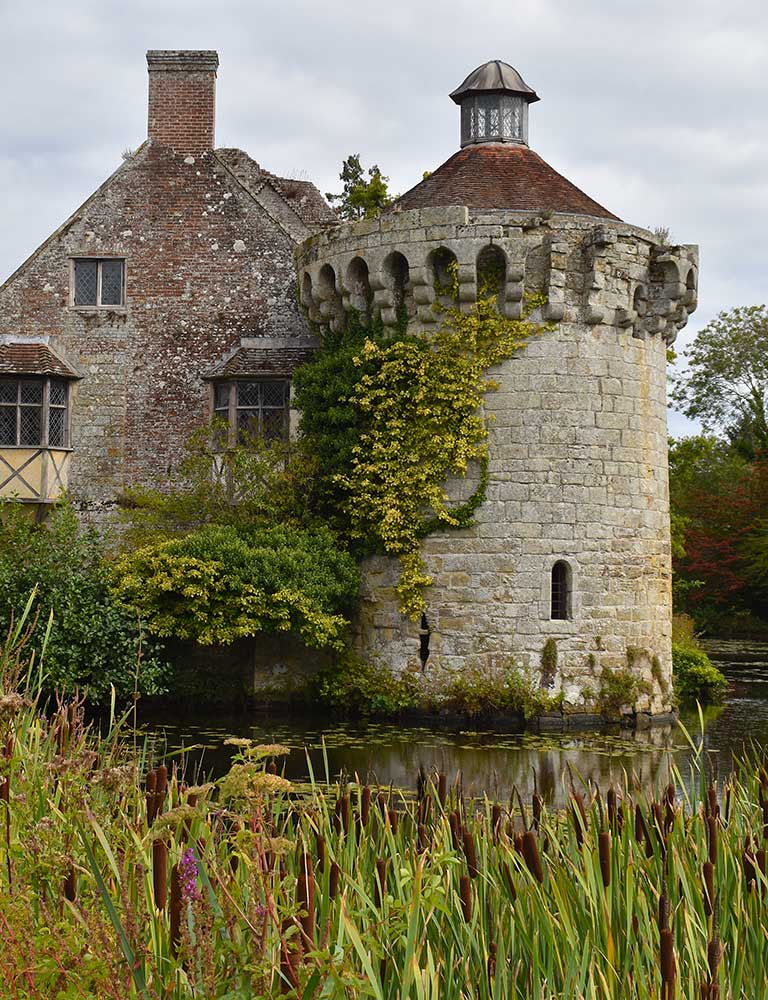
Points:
(119, 881)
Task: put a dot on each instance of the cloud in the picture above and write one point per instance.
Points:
(657, 110)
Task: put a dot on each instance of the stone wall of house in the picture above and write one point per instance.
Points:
(578, 443)
(207, 264)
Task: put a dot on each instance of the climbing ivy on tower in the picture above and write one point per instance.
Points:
(414, 419)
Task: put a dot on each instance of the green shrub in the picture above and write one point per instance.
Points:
(695, 677)
(479, 689)
(352, 686)
(218, 584)
(619, 689)
(95, 641)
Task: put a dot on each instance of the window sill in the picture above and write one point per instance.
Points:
(35, 447)
(98, 310)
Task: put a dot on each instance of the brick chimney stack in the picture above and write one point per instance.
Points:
(182, 98)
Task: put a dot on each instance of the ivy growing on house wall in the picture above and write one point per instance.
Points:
(406, 415)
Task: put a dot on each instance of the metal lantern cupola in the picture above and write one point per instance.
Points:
(494, 101)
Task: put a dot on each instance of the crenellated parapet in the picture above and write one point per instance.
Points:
(592, 273)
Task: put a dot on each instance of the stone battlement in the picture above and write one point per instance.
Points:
(595, 273)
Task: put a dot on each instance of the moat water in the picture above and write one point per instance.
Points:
(492, 763)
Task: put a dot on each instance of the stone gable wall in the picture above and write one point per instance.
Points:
(206, 267)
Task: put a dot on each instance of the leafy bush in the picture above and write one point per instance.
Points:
(619, 689)
(253, 484)
(695, 677)
(219, 584)
(477, 689)
(353, 686)
(94, 641)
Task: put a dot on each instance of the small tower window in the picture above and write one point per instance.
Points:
(561, 591)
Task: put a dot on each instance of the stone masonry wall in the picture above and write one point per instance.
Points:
(578, 444)
(206, 265)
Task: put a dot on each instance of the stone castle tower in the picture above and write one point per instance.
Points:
(566, 570)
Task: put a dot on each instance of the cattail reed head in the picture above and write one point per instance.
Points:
(333, 880)
(611, 803)
(712, 837)
(175, 914)
(470, 854)
(667, 959)
(344, 812)
(465, 892)
(709, 887)
(664, 910)
(392, 819)
(380, 887)
(604, 851)
(320, 851)
(382, 800)
(531, 855)
(365, 805)
(518, 842)
(305, 898)
(455, 824)
(713, 809)
(491, 964)
(442, 787)
(714, 954)
(160, 872)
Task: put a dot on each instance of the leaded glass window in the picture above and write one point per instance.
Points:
(98, 283)
(33, 413)
(494, 118)
(253, 408)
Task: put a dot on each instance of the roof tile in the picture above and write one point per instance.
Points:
(500, 175)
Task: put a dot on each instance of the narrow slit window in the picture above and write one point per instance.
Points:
(561, 591)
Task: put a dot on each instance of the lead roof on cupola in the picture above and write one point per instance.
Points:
(494, 77)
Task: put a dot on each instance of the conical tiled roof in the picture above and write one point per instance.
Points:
(500, 175)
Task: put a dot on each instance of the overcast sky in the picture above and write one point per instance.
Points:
(655, 109)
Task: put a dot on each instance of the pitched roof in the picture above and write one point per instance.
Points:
(500, 175)
(301, 195)
(262, 362)
(33, 358)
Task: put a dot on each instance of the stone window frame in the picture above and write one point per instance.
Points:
(560, 591)
(230, 408)
(45, 406)
(99, 260)
(559, 626)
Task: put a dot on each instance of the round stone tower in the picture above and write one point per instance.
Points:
(566, 570)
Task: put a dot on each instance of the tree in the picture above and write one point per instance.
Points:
(726, 384)
(360, 198)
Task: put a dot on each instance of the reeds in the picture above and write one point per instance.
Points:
(355, 890)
